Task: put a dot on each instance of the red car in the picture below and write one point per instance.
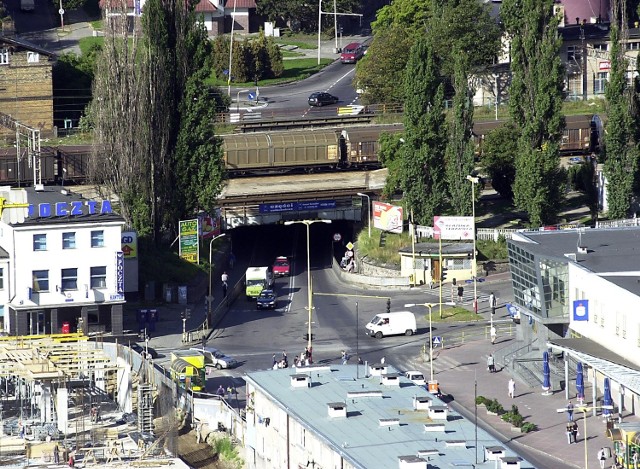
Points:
(281, 267)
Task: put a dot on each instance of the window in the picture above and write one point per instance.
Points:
(39, 242)
(68, 240)
(574, 53)
(632, 45)
(1, 279)
(600, 82)
(98, 277)
(40, 280)
(601, 47)
(97, 239)
(4, 56)
(33, 57)
(69, 279)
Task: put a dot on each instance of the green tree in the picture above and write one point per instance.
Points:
(499, 150)
(379, 73)
(459, 155)
(425, 135)
(300, 14)
(390, 155)
(405, 14)
(620, 151)
(535, 102)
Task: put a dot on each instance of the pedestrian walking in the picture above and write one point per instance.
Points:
(344, 358)
(493, 303)
(635, 458)
(512, 388)
(274, 360)
(494, 334)
(491, 364)
(229, 392)
(460, 293)
(220, 391)
(569, 433)
(225, 283)
(570, 411)
(198, 433)
(602, 458)
(224, 277)
(574, 431)
(56, 454)
(382, 361)
(232, 261)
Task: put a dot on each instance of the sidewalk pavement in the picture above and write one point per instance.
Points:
(458, 368)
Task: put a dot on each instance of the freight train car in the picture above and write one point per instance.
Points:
(305, 150)
(581, 136)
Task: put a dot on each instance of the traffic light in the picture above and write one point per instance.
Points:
(388, 305)
(443, 273)
(183, 315)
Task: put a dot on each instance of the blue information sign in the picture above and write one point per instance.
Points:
(251, 96)
(297, 206)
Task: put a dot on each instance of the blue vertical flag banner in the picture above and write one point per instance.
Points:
(120, 273)
(581, 310)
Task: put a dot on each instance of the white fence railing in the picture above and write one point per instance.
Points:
(492, 234)
(618, 223)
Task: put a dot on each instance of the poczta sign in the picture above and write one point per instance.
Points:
(74, 208)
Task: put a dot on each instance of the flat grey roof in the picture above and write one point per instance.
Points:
(613, 251)
(360, 438)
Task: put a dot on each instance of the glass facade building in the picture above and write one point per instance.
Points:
(540, 283)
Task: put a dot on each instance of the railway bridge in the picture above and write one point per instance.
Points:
(273, 199)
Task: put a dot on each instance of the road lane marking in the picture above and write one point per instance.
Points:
(341, 78)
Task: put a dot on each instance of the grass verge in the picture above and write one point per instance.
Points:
(294, 70)
(453, 314)
(387, 254)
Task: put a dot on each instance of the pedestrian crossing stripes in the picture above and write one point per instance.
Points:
(467, 297)
(442, 363)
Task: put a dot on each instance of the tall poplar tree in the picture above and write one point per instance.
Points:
(535, 102)
(620, 152)
(460, 150)
(425, 135)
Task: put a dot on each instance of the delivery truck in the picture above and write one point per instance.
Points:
(394, 323)
(257, 279)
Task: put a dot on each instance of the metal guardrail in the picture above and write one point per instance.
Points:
(292, 124)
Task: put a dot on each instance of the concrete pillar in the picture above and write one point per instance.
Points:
(116, 319)
(84, 314)
(62, 409)
(55, 327)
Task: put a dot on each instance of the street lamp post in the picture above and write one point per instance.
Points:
(308, 223)
(429, 306)
(584, 410)
(474, 181)
(369, 212)
(210, 297)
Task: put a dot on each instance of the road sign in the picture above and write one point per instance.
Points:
(251, 96)
(61, 11)
(225, 72)
(337, 237)
(437, 340)
(349, 253)
(350, 246)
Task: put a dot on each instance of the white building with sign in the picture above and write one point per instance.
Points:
(61, 263)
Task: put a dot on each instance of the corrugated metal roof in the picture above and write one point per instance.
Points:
(359, 438)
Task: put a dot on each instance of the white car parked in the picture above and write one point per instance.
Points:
(416, 378)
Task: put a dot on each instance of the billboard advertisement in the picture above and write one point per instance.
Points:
(453, 228)
(129, 242)
(209, 224)
(189, 245)
(387, 217)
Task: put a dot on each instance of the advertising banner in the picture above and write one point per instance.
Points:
(581, 310)
(189, 245)
(129, 242)
(387, 217)
(209, 224)
(119, 273)
(453, 228)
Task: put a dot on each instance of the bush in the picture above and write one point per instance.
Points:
(527, 427)
(495, 407)
(481, 400)
(517, 420)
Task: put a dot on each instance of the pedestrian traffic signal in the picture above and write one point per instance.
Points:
(182, 315)
(443, 273)
(388, 305)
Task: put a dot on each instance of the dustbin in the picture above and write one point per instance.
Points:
(66, 328)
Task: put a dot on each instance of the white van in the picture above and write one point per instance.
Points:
(400, 322)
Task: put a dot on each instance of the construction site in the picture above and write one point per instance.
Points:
(67, 399)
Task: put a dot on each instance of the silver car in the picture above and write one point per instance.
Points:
(214, 357)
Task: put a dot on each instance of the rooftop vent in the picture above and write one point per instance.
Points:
(300, 381)
(452, 443)
(377, 369)
(337, 409)
(388, 422)
(428, 452)
(434, 427)
(421, 402)
(582, 250)
(391, 379)
(571, 255)
(510, 462)
(318, 369)
(494, 453)
(354, 394)
(438, 412)
(411, 462)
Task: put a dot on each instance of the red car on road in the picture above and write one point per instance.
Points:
(281, 267)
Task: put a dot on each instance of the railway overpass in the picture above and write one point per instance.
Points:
(272, 199)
